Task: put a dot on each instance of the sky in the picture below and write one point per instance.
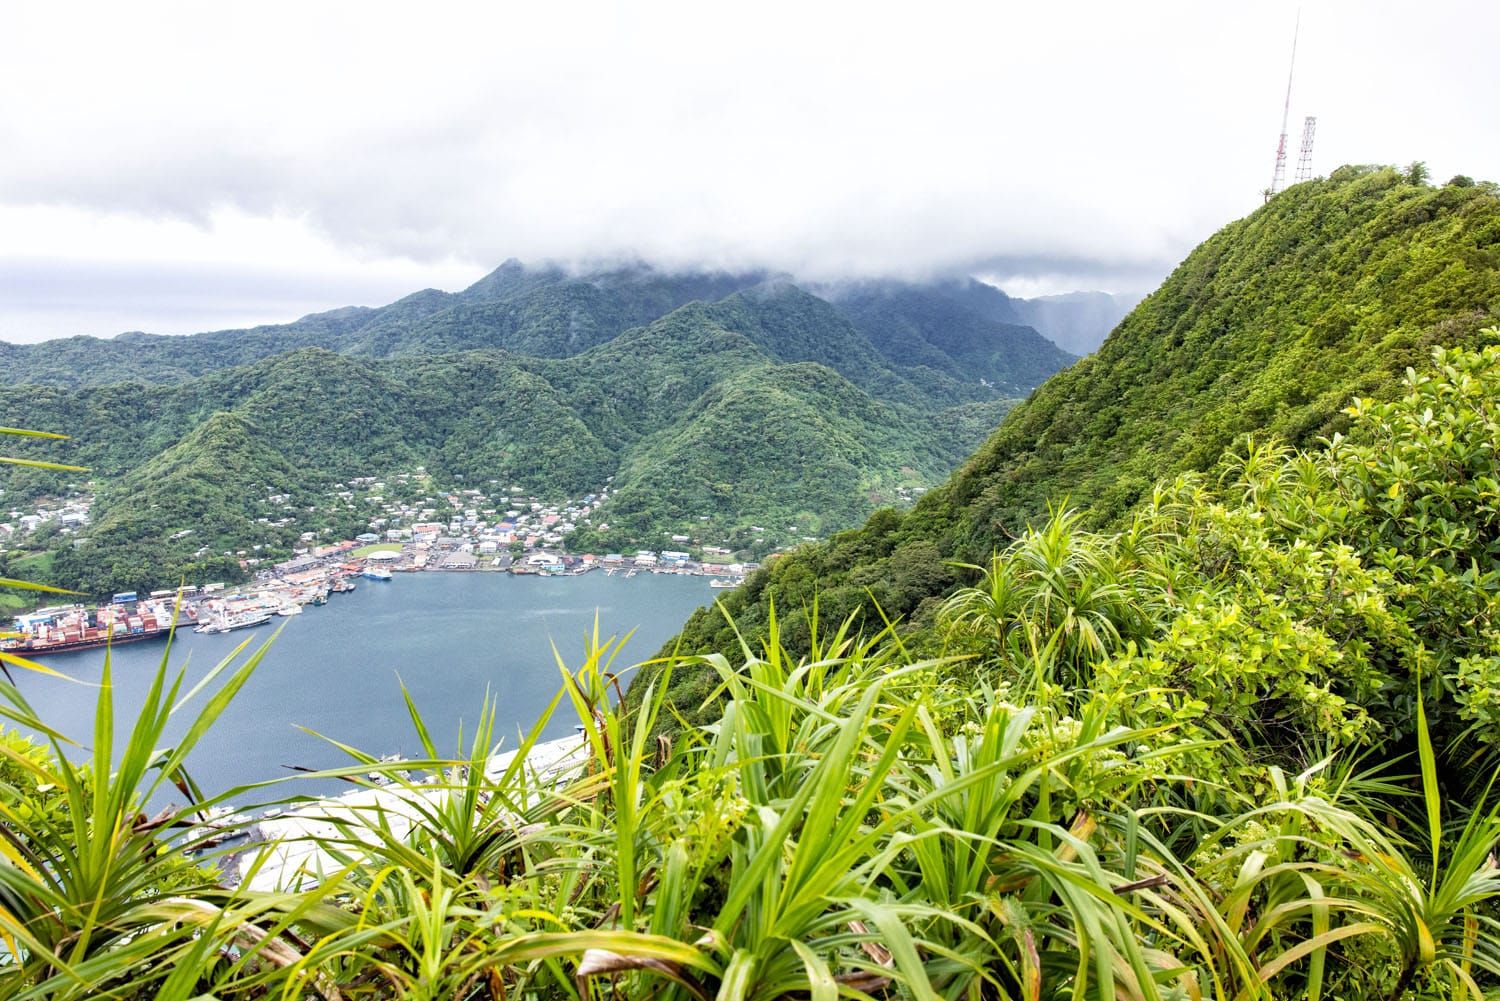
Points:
(180, 167)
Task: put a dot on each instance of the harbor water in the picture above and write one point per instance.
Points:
(337, 670)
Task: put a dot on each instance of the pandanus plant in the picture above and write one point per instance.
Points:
(97, 897)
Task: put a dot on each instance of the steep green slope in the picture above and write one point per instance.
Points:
(1270, 326)
(330, 413)
(170, 519)
(212, 470)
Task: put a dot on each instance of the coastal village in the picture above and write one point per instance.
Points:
(409, 530)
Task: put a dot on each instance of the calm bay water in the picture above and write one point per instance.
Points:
(338, 669)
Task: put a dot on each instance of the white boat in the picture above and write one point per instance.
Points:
(376, 573)
(723, 583)
(239, 620)
(383, 778)
(290, 608)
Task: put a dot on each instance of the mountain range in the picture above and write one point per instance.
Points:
(713, 402)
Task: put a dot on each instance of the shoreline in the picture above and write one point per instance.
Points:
(258, 602)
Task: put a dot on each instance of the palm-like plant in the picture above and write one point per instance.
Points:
(1057, 587)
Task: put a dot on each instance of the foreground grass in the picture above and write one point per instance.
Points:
(859, 823)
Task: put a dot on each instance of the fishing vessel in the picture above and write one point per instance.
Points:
(723, 583)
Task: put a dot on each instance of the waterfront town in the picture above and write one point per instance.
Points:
(409, 530)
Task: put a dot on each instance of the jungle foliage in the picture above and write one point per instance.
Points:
(1239, 749)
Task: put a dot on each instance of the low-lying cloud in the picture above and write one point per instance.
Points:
(1086, 143)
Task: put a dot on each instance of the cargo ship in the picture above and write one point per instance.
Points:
(66, 628)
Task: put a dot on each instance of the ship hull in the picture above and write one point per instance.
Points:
(72, 646)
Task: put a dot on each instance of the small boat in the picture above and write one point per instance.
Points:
(723, 583)
(630, 574)
(384, 778)
(290, 608)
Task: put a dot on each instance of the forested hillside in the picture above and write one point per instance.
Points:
(760, 417)
(1268, 328)
(957, 328)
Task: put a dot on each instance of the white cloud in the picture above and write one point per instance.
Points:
(385, 146)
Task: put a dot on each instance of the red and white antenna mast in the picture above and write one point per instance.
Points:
(1278, 179)
(1304, 159)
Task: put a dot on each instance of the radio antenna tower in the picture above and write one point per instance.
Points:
(1304, 158)
(1278, 179)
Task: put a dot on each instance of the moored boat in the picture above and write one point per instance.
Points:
(238, 620)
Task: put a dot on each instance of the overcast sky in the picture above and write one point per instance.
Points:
(180, 167)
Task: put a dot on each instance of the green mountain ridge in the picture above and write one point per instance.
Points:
(1270, 327)
(541, 311)
(764, 408)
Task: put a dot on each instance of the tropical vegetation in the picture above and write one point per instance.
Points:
(1240, 748)
(1193, 693)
